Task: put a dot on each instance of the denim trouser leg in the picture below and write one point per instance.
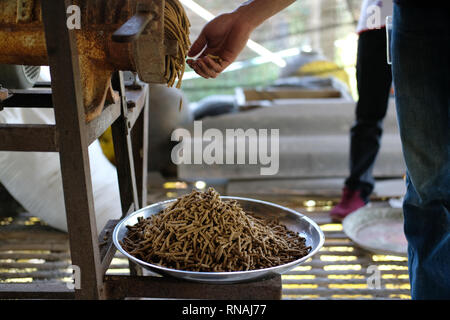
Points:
(374, 79)
(421, 70)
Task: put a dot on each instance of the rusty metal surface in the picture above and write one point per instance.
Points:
(22, 41)
(25, 9)
(22, 33)
(150, 47)
(132, 29)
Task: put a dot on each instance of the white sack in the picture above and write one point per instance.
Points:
(34, 178)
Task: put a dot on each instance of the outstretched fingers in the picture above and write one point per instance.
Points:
(208, 67)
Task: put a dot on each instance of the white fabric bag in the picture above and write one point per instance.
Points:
(34, 178)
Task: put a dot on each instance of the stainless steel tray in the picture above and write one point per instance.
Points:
(379, 230)
(293, 220)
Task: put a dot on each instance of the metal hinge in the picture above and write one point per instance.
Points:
(25, 10)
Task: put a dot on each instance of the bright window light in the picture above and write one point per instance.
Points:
(200, 185)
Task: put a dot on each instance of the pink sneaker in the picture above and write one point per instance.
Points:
(351, 201)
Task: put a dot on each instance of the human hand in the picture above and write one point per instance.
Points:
(224, 37)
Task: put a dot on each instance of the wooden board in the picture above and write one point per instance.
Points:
(252, 96)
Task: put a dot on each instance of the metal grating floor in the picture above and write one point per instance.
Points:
(340, 271)
(33, 252)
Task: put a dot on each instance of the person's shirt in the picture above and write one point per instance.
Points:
(373, 14)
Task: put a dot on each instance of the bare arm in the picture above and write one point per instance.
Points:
(226, 35)
(258, 11)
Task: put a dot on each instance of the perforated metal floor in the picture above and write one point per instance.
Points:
(341, 270)
(33, 252)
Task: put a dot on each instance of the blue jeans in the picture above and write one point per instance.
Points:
(374, 78)
(421, 73)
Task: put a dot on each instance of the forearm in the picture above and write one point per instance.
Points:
(255, 12)
(227, 34)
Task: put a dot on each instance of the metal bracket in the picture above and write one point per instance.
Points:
(24, 10)
(133, 28)
(145, 32)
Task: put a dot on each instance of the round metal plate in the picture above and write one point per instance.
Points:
(379, 230)
(293, 220)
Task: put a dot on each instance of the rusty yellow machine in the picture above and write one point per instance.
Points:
(112, 35)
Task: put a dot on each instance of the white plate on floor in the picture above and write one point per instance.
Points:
(379, 230)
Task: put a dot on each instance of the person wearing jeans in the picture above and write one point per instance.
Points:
(421, 72)
(374, 81)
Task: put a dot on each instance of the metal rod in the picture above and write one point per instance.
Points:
(123, 151)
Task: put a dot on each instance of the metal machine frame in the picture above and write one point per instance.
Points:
(70, 137)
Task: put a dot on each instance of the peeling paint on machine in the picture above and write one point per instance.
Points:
(22, 42)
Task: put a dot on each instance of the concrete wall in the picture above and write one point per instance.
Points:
(314, 141)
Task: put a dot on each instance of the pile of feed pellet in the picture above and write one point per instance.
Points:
(201, 232)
